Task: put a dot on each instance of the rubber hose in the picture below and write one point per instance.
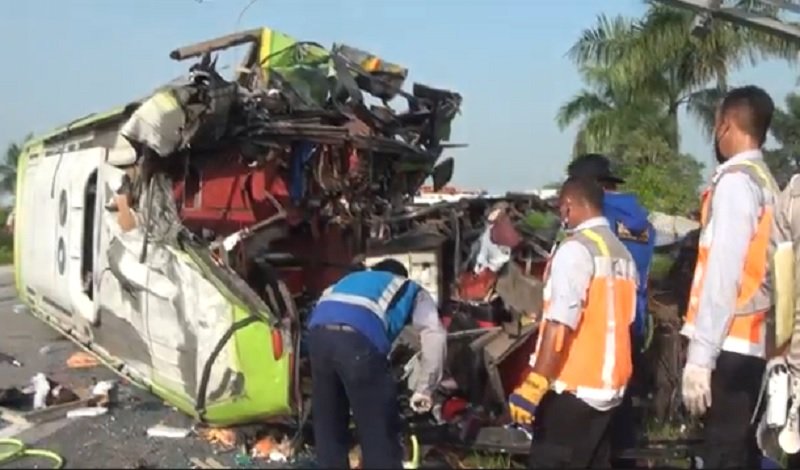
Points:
(414, 462)
(19, 451)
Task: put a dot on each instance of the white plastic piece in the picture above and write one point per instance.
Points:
(277, 456)
(88, 412)
(41, 388)
(103, 388)
(778, 397)
(168, 431)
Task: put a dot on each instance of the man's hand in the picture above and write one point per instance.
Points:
(523, 402)
(696, 389)
(421, 403)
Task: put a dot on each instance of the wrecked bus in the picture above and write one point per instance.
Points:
(184, 237)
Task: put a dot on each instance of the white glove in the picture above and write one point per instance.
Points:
(696, 389)
(421, 403)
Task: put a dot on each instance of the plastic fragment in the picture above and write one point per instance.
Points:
(168, 431)
(87, 412)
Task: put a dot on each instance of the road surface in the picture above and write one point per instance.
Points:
(116, 440)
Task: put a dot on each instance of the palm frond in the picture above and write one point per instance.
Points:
(582, 105)
(702, 105)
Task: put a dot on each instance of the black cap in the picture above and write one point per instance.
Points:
(595, 166)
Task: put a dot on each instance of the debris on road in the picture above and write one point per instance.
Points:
(15, 398)
(87, 412)
(207, 463)
(222, 437)
(20, 309)
(104, 393)
(171, 432)
(14, 449)
(8, 359)
(82, 360)
(273, 450)
(48, 393)
(41, 390)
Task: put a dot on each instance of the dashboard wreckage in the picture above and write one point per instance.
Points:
(183, 238)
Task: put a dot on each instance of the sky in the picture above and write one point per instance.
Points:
(67, 58)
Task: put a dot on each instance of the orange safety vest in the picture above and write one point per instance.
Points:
(747, 333)
(597, 364)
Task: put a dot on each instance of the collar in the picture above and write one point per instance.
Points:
(598, 221)
(739, 158)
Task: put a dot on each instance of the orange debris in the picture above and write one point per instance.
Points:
(220, 436)
(82, 360)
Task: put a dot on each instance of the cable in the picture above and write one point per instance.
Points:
(20, 451)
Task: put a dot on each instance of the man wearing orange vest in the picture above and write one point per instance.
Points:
(584, 347)
(731, 293)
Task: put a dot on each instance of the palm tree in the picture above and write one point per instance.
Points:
(608, 111)
(8, 167)
(657, 57)
(785, 161)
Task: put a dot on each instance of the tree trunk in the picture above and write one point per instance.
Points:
(674, 132)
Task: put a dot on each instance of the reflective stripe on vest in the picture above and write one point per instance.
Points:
(747, 333)
(379, 306)
(597, 361)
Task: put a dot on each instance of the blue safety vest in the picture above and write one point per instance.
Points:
(377, 304)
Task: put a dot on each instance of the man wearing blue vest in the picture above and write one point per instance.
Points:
(628, 221)
(351, 332)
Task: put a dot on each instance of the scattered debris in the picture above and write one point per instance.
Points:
(87, 412)
(82, 360)
(15, 449)
(15, 398)
(20, 309)
(207, 463)
(171, 432)
(41, 390)
(223, 437)
(243, 460)
(272, 450)
(104, 393)
(8, 359)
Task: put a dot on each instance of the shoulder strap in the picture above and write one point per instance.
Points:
(755, 171)
(600, 245)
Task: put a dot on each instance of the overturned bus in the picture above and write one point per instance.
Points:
(184, 237)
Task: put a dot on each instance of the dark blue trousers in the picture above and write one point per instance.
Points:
(348, 372)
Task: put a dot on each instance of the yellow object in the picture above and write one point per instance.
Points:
(17, 450)
(414, 462)
(530, 393)
(783, 281)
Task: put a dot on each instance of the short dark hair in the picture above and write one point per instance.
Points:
(751, 108)
(391, 265)
(584, 188)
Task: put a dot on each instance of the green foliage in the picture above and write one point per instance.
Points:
(660, 266)
(639, 73)
(8, 166)
(663, 179)
(656, 58)
(785, 161)
(536, 220)
(6, 241)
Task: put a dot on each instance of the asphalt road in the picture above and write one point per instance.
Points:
(116, 440)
